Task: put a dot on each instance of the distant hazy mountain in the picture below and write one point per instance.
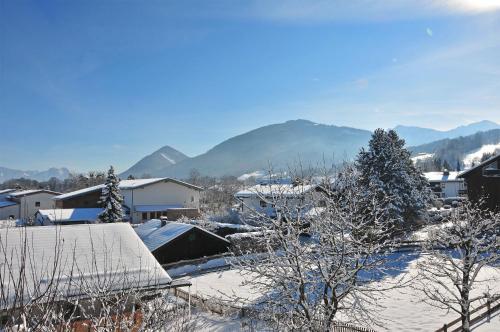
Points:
(279, 145)
(417, 136)
(8, 173)
(458, 149)
(158, 160)
(285, 144)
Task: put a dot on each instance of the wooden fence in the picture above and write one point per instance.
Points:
(477, 315)
(350, 328)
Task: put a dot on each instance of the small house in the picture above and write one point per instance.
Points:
(77, 262)
(446, 184)
(483, 181)
(67, 216)
(143, 199)
(172, 242)
(24, 204)
(262, 198)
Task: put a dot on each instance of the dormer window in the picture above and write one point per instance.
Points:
(492, 169)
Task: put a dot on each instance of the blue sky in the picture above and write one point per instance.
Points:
(86, 84)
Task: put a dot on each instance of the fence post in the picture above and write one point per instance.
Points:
(488, 305)
(445, 328)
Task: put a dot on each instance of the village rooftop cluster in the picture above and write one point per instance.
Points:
(120, 254)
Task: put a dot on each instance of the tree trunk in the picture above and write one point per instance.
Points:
(465, 305)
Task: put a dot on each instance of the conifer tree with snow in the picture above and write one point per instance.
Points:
(388, 177)
(111, 199)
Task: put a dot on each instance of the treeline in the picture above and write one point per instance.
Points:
(73, 182)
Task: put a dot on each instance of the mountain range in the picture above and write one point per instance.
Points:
(416, 136)
(9, 173)
(285, 144)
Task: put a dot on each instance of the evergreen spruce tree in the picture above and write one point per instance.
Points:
(111, 199)
(388, 177)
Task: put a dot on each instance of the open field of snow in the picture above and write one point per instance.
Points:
(422, 156)
(475, 156)
(401, 309)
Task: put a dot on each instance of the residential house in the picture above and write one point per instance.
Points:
(446, 184)
(24, 204)
(262, 198)
(67, 216)
(143, 199)
(78, 262)
(172, 242)
(483, 181)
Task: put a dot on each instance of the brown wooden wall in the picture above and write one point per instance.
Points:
(89, 200)
(193, 244)
(479, 185)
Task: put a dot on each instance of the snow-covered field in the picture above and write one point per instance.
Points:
(422, 156)
(401, 309)
(475, 156)
(223, 285)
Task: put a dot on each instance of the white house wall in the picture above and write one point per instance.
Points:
(28, 204)
(9, 211)
(161, 193)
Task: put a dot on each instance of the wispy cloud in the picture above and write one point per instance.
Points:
(341, 10)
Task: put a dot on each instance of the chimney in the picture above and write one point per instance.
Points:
(446, 172)
(163, 221)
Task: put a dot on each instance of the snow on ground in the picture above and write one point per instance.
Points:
(223, 285)
(246, 176)
(401, 309)
(408, 313)
(183, 270)
(167, 158)
(423, 234)
(422, 156)
(475, 156)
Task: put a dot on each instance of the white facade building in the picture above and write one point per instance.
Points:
(262, 198)
(143, 199)
(446, 184)
(25, 203)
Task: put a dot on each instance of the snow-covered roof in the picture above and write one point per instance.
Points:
(112, 252)
(6, 191)
(6, 203)
(267, 190)
(152, 208)
(125, 185)
(32, 192)
(441, 176)
(484, 163)
(155, 235)
(80, 214)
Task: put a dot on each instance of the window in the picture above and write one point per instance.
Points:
(37, 204)
(144, 216)
(152, 215)
(263, 204)
(192, 199)
(492, 170)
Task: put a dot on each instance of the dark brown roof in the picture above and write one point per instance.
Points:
(484, 163)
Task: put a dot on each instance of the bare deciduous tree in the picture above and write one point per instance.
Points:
(466, 244)
(328, 253)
